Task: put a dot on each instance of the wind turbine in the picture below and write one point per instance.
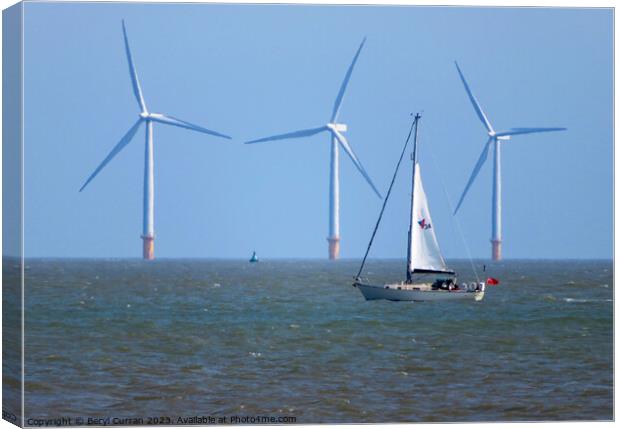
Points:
(495, 138)
(335, 130)
(147, 118)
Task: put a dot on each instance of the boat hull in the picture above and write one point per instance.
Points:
(400, 293)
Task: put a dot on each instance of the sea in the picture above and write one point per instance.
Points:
(124, 341)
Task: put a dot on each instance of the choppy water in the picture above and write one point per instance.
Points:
(293, 338)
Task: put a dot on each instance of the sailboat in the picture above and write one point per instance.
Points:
(428, 277)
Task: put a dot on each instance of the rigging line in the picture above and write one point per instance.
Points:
(458, 222)
(387, 196)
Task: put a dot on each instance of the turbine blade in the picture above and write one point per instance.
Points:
(474, 101)
(516, 131)
(294, 134)
(135, 83)
(345, 82)
(119, 146)
(169, 120)
(474, 173)
(347, 148)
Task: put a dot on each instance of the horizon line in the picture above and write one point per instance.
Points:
(307, 258)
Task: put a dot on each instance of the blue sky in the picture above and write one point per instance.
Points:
(256, 70)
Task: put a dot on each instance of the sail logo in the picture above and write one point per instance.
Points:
(423, 224)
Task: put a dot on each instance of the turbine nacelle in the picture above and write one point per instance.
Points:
(493, 135)
(337, 127)
(144, 115)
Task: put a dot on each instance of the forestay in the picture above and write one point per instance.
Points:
(424, 252)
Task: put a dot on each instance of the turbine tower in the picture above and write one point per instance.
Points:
(148, 118)
(337, 139)
(495, 139)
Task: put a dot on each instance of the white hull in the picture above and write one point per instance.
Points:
(402, 292)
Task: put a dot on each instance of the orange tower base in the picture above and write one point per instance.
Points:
(497, 250)
(334, 247)
(148, 248)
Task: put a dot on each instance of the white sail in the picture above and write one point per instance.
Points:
(424, 251)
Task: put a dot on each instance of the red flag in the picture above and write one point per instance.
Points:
(492, 281)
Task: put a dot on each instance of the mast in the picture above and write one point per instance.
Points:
(413, 158)
(387, 197)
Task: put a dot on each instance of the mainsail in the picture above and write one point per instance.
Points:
(424, 253)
